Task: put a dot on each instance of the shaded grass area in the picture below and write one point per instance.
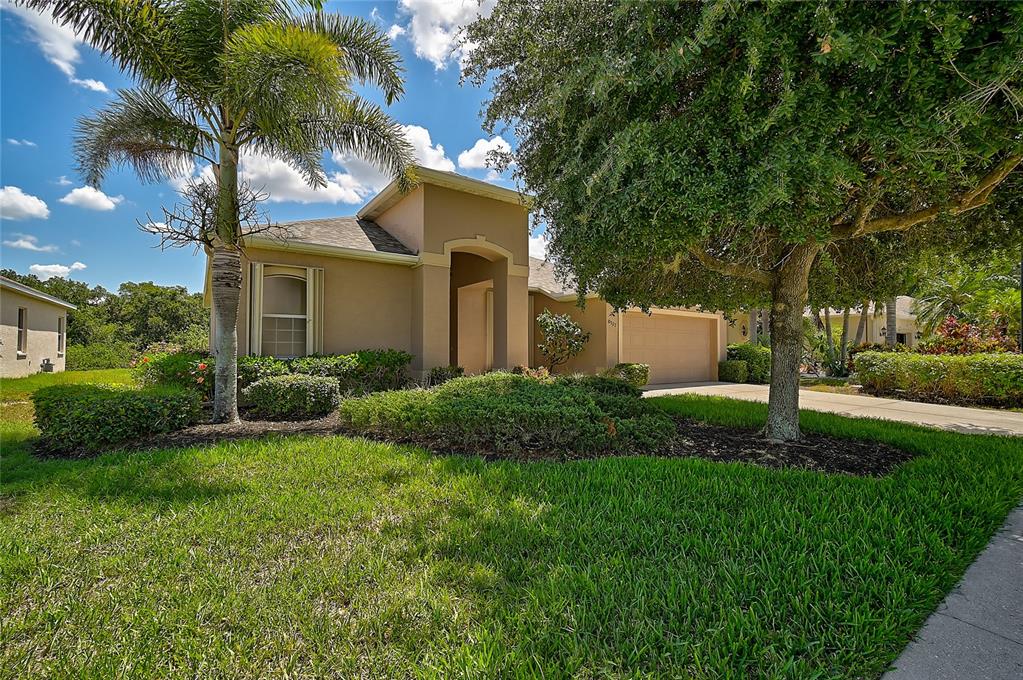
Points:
(337, 556)
(20, 389)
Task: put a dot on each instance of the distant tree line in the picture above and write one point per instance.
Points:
(133, 318)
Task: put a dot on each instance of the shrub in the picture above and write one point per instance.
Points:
(758, 361)
(538, 373)
(563, 338)
(89, 418)
(995, 379)
(637, 375)
(442, 374)
(253, 368)
(960, 337)
(98, 356)
(733, 370)
(292, 397)
(188, 370)
(508, 413)
(360, 372)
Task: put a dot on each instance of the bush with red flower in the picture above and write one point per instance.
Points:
(190, 370)
(960, 337)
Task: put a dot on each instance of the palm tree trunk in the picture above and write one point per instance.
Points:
(226, 288)
(861, 325)
(754, 320)
(788, 297)
(844, 346)
(828, 333)
(890, 322)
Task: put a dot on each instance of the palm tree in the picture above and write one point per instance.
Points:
(217, 77)
(948, 293)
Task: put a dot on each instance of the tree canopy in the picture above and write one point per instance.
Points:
(714, 153)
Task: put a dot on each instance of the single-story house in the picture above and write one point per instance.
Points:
(33, 330)
(444, 273)
(907, 331)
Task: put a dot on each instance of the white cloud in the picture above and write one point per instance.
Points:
(435, 25)
(20, 142)
(477, 158)
(28, 242)
(48, 271)
(59, 44)
(374, 15)
(15, 204)
(394, 31)
(283, 183)
(91, 199)
(75, 242)
(63, 181)
(538, 246)
(366, 179)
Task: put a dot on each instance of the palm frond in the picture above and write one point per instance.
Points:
(142, 129)
(365, 52)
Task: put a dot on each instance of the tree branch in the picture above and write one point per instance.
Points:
(975, 198)
(735, 269)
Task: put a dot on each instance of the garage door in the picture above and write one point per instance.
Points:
(678, 348)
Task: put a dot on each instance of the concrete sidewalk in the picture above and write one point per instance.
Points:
(958, 418)
(977, 632)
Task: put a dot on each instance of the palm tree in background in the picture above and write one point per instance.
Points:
(217, 77)
(948, 293)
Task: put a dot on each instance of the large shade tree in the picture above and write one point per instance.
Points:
(219, 77)
(686, 153)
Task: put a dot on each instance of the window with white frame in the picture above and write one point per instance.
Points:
(286, 307)
(61, 339)
(22, 330)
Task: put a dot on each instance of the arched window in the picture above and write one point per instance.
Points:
(284, 316)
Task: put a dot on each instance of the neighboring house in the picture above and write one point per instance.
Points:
(33, 330)
(444, 272)
(907, 331)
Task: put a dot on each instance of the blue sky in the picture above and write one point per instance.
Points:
(52, 225)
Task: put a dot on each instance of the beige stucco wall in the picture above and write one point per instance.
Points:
(451, 215)
(366, 305)
(42, 334)
(404, 219)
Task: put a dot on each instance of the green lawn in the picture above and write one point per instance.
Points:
(334, 556)
(19, 389)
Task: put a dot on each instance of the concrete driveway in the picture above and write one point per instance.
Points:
(958, 418)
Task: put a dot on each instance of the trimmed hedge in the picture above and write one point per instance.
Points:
(634, 374)
(758, 361)
(90, 418)
(253, 368)
(98, 356)
(187, 370)
(442, 374)
(292, 397)
(992, 379)
(369, 370)
(733, 370)
(505, 413)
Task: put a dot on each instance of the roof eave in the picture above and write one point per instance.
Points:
(33, 293)
(268, 243)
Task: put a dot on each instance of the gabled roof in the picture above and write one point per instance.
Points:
(338, 236)
(543, 279)
(33, 293)
(391, 195)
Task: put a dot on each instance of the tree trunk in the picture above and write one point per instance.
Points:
(226, 288)
(861, 325)
(829, 334)
(844, 346)
(890, 322)
(754, 320)
(788, 299)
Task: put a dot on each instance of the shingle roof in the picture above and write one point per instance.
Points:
(345, 232)
(542, 277)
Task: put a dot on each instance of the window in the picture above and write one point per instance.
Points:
(60, 335)
(901, 339)
(284, 316)
(22, 331)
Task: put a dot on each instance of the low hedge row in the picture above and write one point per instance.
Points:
(637, 375)
(98, 356)
(992, 379)
(733, 371)
(292, 397)
(502, 413)
(76, 419)
(186, 370)
(758, 361)
(370, 370)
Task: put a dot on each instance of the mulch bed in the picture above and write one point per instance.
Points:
(817, 452)
(209, 433)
